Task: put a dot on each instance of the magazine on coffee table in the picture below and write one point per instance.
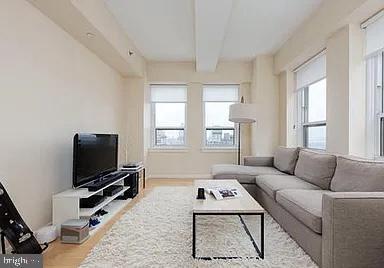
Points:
(221, 193)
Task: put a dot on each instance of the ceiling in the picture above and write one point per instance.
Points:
(207, 31)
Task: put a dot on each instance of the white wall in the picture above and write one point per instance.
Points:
(50, 88)
(346, 92)
(283, 115)
(357, 95)
(265, 95)
(287, 109)
(338, 92)
(194, 161)
(135, 92)
(291, 105)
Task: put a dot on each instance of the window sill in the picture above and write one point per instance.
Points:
(218, 150)
(316, 149)
(378, 158)
(168, 150)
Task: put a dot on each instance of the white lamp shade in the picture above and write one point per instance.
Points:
(242, 113)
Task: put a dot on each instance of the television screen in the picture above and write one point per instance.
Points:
(94, 155)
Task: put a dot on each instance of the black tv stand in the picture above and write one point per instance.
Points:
(132, 180)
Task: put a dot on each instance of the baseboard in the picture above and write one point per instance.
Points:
(180, 176)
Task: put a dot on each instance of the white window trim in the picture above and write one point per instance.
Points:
(177, 148)
(214, 149)
(379, 137)
(218, 149)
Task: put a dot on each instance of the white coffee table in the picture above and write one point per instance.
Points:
(244, 205)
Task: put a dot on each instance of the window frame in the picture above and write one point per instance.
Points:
(303, 124)
(377, 104)
(154, 129)
(235, 128)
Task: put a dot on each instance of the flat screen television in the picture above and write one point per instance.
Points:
(94, 155)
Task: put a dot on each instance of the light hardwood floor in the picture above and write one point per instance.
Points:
(69, 255)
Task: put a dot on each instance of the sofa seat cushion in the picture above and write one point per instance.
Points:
(285, 159)
(358, 175)
(270, 184)
(244, 174)
(304, 205)
(316, 167)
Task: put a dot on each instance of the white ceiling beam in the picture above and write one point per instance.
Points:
(211, 21)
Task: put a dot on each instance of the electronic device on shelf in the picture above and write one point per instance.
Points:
(98, 184)
(132, 170)
(133, 164)
(92, 201)
(112, 190)
(94, 157)
(14, 229)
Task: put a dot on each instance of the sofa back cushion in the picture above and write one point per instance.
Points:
(353, 175)
(285, 159)
(316, 167)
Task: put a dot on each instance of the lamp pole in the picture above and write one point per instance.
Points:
(239, 145)
(239, 139)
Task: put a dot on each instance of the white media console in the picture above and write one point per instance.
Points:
(66, 205)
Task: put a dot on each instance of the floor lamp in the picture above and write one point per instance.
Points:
(241, 113)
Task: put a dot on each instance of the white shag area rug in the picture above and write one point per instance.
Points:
(157, 232)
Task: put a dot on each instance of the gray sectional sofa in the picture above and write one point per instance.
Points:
(332, 206)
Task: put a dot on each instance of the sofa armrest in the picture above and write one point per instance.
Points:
(258, 161)
(353, 229)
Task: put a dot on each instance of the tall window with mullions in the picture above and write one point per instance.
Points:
(219, 131)
(168, 115)
(311, 87)
(374, 55)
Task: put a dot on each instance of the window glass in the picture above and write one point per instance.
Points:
(169, 137)
(316, 137)
(217, 114)
(317, 101)
(170, 115)
(375, 105)
(220, 137)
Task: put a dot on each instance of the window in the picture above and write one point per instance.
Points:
(219, 131)
(168, 115)
(374, 51)
(375, 105)
(311, 102)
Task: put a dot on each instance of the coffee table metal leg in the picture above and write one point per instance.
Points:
(260, 252)
(262, 235)
(194, 236)
(144, 178)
